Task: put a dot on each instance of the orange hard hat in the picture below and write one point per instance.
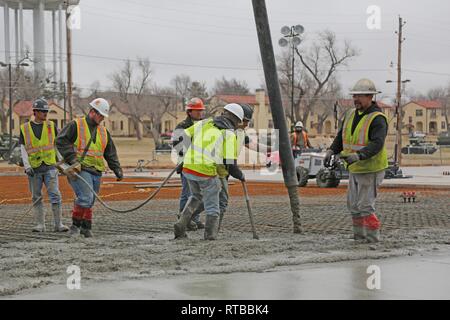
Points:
(195, 104)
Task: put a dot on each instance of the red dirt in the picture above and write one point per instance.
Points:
(14, 190)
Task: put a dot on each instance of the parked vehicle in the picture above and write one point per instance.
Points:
(443, 139)
(418, 145)
(4, 146)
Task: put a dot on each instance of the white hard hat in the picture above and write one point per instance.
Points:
(364, 86)
(101, 105)
(299, 124)
(235, 109)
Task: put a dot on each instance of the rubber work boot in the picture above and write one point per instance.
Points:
(200, 225)
(372, 226)
(179, 227)
(359, 232)
(86, 226)
(211, 227)
(57, 213)
(220, 219)
(192, 226)
(75, 227)
(39, 215)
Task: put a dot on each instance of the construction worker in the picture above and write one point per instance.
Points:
(361, 142)
(38, 152)
(213, 143)
(299, 139)
(195, 111)
(243, 140)
(84, 143)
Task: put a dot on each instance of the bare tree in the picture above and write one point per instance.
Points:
(324, 106)
(181, 84)
(199, 90)
(132, 84)
(316, 73)
(232, 87)
(165, 100)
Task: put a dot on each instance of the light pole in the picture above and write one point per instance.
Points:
(398, 114)
(292, 33)
(9, 65)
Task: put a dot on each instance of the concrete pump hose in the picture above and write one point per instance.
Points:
(132, 209)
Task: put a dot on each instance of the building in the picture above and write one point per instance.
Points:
(170, 119)
(427, 116)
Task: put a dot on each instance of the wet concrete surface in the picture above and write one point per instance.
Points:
(425, 276)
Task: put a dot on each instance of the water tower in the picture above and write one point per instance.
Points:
(14, 16)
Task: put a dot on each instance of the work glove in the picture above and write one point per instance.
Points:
(75, 168)
(29, 172)
(180, 168)
(327, 159)
(352, 158)
(119, 174)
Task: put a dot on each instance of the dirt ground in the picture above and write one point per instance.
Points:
(110, 191)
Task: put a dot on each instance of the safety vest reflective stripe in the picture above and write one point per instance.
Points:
(363, 131)
(81, 135)
(50, 133)
(27, 137)
(353, 147)
(103, 136)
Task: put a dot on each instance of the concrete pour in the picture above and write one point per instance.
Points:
(26, 265)
(423, 276)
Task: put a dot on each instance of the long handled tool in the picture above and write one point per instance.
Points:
(247, 200)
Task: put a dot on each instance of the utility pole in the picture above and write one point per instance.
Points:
(65, 100)
(398, 111)
(279, 118)
(69, 62)
(10, 110)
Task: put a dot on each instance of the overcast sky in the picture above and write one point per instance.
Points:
(208, 39)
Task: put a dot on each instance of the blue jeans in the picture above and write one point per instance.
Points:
(50, 179)
(85, 198)
(206, 189)
(185, 194)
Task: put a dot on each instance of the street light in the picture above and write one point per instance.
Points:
(292, 33)
(20, 64)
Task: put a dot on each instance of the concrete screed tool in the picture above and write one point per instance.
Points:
(247, 200)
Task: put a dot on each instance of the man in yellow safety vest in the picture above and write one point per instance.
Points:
(361, 142)
(78, 149)
(212, 142)
(37, 148)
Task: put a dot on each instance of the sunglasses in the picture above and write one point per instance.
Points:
(43, 111)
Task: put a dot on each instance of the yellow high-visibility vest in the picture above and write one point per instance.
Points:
(209, 146)
(43, 149)
(360, 139)
(94, 155)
